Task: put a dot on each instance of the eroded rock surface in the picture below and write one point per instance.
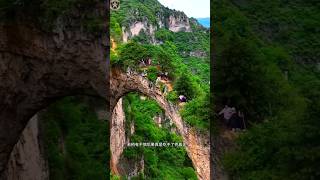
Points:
(172, 20)
(38, 67)
(197, 145)
(136, 28)
(117, 136)
(27, 160)
(179, 22)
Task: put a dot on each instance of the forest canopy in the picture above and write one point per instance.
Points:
(266, 67)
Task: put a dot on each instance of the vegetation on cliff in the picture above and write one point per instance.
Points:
(184, 56)
(266, 66)
(47, 14)
(178, 64)
(160, 162)
(75, 140)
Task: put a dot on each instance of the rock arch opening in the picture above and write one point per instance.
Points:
(121, 83)
(37, 68)
(140, 119)
(56, 139)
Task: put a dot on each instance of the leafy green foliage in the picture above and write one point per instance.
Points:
(172, 96)
(152, 74)
(115, 29)
(165, 162)
(190, 75)
(131, 54)
(257, 69)
(171, 55)
(75, 141)
(164, 35)
(184, 86)
(242, 71)
(198, 40)
(197, 113)
(46, 12)
(199, 67)
(143, 38)
(137, 10)
(293, 24)
(168, 59)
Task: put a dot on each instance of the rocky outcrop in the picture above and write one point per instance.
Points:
(131, 167)
(132, 128)
(175, 23)
(38, 67)
(117, 136)
(172, 20)
(197, 145)
(137, 28)
(27, 160)
(198, 54)
(158, 120)
(179, 22)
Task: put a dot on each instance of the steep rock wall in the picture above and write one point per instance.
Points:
(136, 28)
(39, 67)
(178, 23)
(118, 135)
(175, 22)
(27, 160)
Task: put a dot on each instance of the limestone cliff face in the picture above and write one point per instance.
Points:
(172, 20)
(117, 136)
(136, 28)
(38, 67)
(130, 167)
(179, 22)
(27, 160)
(175, 23)
(119, 164)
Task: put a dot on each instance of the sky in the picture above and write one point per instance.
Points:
(193, 8)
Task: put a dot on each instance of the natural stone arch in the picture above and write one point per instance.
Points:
(29, 159)
(37, 68)
(197, 145)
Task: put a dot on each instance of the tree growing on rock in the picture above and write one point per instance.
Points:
(184, 86)
(131, 54)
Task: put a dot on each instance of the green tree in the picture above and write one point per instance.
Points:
(184, 86)
(152, 73)
(249, 81)
(142, 38)
(284, 145)
(164, 35)
(74, 140)
(115, 29)
(131, 54)
(197, 112)
(162, 163)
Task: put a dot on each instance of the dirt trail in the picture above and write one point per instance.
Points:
(168, 84)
